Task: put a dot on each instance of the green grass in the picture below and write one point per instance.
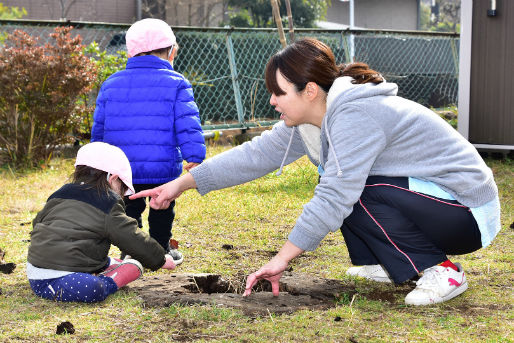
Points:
(256, 219)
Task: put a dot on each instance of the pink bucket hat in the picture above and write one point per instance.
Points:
(108, 158)
(148, 35)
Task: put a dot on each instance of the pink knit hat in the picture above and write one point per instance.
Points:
(148, 35)
(108, 158)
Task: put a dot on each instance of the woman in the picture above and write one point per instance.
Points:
(402, 185)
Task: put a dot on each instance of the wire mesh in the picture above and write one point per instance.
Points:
(226, 66)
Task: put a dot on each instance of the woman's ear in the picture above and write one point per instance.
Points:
(311, 89)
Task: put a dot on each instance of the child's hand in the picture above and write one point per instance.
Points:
(169, 264)
(191, 165)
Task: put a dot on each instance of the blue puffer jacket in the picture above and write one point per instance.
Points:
(148, 110)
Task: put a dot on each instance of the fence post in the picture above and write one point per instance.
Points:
(235, 80)
(455, 55)
(346, 47)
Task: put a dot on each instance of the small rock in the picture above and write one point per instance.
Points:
(7, 268)
(448, 115)
(65, 328)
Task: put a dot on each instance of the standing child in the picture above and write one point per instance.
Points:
(71, 237)
(148, 110)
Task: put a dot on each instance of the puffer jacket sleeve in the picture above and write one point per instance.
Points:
(188, 129)
(124, 233)
(97, 132)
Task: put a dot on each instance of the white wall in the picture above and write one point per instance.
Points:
(377, 14)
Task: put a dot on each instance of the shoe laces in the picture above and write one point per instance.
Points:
(431, 277)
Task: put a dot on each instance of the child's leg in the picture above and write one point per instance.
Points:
(134, 208)
(160, 223)
(76, 287)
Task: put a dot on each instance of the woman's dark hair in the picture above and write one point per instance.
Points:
(309, 60)
(94, 179)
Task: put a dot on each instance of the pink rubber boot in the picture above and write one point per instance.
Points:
(122, 274)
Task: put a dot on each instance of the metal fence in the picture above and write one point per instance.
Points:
(226, 65)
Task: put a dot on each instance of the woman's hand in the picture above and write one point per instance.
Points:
(162, 196)
(273, 270)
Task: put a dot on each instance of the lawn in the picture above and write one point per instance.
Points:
(255, 219)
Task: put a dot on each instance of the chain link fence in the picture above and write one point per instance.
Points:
(226, 66)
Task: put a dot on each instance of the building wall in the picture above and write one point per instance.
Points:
(376, 14)
(110, 11)
(203, 13)
(491, 100)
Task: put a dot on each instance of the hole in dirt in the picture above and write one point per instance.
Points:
(209, 284)
(297, 291)
(213, 283)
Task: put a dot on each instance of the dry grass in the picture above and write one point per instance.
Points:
(255, 218)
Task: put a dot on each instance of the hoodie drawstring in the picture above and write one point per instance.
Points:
(287, 152)
(331, 147)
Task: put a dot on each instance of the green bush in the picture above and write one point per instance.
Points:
(39, 90)
(105, 65)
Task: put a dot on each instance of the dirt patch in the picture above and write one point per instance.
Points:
(6, 268)
(297, 291)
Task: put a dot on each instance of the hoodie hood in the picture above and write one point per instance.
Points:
(342, 91)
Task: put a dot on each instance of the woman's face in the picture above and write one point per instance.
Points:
(293, 106)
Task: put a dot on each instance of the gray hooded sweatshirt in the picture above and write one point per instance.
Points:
(367, 130)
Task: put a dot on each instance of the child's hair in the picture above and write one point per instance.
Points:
(157, 51)
(94, 179)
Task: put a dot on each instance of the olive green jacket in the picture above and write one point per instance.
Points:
(77, 226)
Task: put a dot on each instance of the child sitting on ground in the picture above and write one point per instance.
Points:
(68, 254)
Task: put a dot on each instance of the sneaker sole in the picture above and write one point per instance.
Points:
(177, 262)
(371, 278)
(458, 291)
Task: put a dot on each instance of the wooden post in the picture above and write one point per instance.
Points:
(290, 20)
(278, 20)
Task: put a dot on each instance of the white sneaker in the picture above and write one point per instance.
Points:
(438, 284)
(373, 272)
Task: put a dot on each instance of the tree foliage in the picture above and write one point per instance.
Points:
(39, 89)
(7, 12)
(444, 17)
(258, 13)
(105, 64)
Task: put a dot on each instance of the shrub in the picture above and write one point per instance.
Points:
(105, 64)
(39, 90)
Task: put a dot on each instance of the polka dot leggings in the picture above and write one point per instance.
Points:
(78, 287)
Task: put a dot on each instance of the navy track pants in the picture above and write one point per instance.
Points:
(405, 231)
